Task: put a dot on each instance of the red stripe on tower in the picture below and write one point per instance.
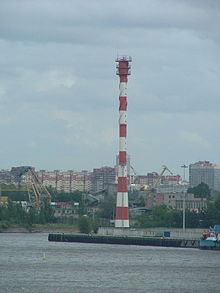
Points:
(122, 158)
(122, 217)
(123, 103)
(122, 130)
(122, 184)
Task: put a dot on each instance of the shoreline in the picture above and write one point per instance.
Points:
(40, 230)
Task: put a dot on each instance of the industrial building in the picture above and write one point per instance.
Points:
(175, 200)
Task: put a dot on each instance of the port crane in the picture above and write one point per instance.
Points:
(151, 189)
(135, 175)
(37, 192)
(165, 168)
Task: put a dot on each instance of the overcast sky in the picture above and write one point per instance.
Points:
(59, 89)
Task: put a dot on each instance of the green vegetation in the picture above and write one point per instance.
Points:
(13, 213)
(202, 190)
(211, 215)
(107, 208)
(86, 225)
(161, 216)
(75, 196)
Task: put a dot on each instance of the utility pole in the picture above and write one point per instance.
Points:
(184, 198)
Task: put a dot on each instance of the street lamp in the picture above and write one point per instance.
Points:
(184, 198)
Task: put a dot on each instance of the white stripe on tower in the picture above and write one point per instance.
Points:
(122, 216)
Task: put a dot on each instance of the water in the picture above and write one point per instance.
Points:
(29, 263)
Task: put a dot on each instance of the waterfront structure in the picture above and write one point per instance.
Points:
(122, 217)
(206, 172)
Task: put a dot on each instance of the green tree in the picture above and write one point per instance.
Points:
(75, 196)
(161, 216)
(85, 225)
(176, 218)
(210, 215)
(31, 217)
(201, 190)
(46, 214)
(192, 219)
(95, 227)
(107, 208)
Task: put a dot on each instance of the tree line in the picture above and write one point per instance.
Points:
(162, 216)
(159, 216)
(13, 213)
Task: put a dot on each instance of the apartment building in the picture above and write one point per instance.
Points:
(206, 172)
(66, 181)
(101, 177)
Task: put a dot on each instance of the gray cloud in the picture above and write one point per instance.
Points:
(59, 91)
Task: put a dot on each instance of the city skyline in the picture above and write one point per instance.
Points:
(131, 171)
(58, 88)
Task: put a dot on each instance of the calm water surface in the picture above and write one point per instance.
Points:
(29, 263)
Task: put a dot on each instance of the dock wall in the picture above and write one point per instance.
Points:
(123, 240)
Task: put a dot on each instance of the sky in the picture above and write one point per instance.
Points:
(59, 89)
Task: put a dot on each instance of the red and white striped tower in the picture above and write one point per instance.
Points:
(122, 217)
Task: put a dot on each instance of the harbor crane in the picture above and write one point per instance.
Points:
(151, 189)
(134, 176)
(37, 192)
(165, 168)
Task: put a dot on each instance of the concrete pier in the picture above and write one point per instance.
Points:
(123, 240)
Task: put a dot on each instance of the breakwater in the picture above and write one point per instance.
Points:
(123, 240)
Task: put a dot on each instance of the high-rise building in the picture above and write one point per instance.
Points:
(101, 177)
(206, 172)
